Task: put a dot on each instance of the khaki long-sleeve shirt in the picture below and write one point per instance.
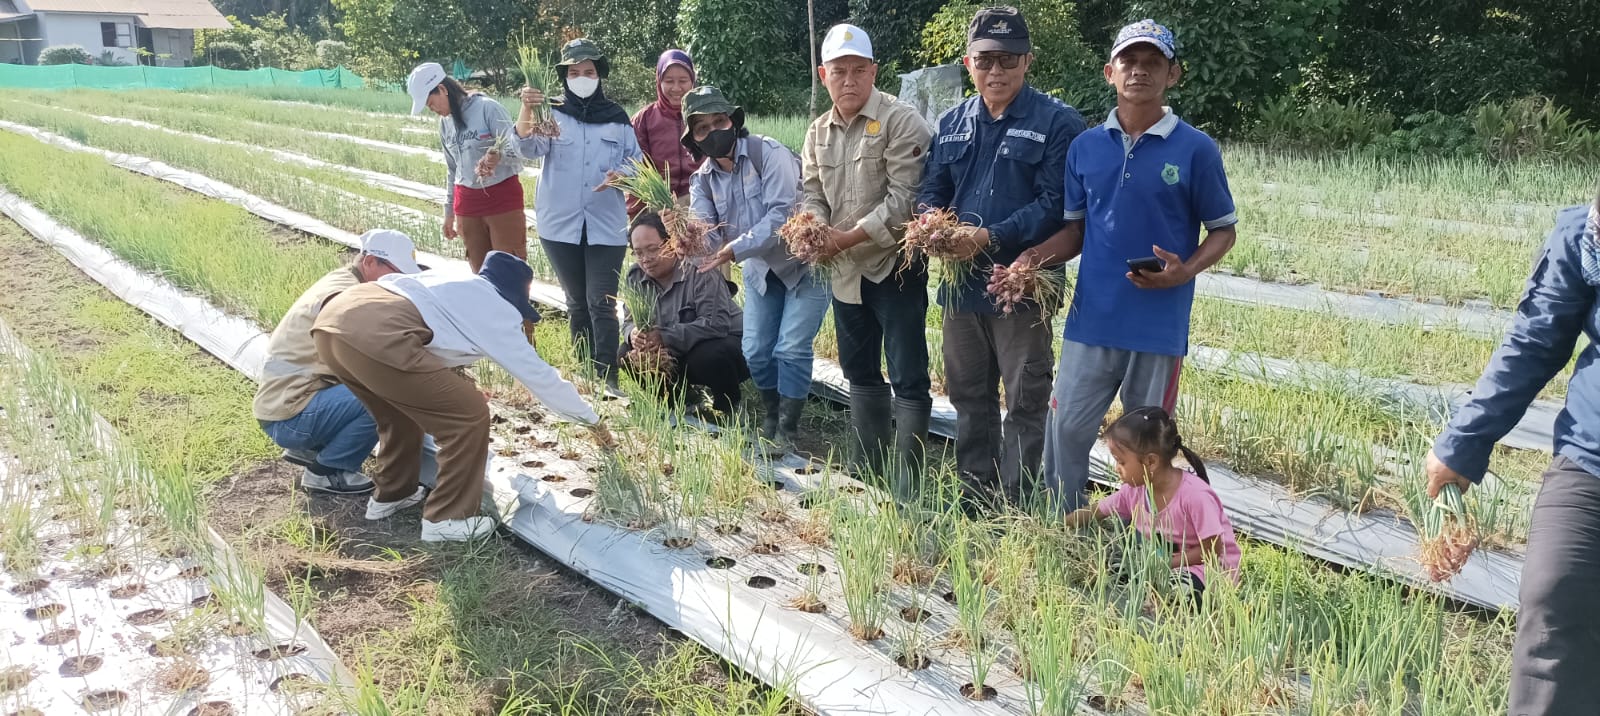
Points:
(865, 173)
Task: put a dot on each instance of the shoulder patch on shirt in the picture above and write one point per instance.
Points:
(1170, 174)
(961, 137)
(1026, 134)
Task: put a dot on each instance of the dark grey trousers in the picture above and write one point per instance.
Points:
(589, 276)
(1555, 662)
(982, 351)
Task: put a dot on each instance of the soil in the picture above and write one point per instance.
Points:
(76, 666)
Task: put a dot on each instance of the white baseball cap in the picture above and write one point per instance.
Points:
(845, 40)
(420, 83)
(393, 247)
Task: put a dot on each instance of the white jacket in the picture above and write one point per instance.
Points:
(470, 321)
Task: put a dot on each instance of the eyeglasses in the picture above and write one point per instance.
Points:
(986, 62)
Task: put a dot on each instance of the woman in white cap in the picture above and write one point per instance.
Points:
(483, 154)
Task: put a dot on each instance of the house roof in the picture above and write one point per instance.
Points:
(8, 11)
(167, 14)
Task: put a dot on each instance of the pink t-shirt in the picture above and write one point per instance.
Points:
(1193, 515)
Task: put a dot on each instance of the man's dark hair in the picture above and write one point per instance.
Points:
(650, 219)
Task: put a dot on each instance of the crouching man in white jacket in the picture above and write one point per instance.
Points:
(395, 341)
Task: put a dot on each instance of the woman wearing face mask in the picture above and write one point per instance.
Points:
(659, 125)
(483, 153)
(582, 222)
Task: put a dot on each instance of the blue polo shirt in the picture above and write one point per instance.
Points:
(1000, 174)
(1160, 189)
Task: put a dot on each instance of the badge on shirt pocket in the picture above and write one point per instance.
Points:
(1169, 174)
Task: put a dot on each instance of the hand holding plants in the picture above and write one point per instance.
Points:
(645, 340)
(531, 98)
(487, 164)
(1440, 474)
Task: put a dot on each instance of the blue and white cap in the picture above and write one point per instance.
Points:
(1149, 32)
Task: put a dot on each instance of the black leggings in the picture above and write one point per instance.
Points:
(589, 276)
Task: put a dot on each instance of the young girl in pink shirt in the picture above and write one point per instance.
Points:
(1188, 513)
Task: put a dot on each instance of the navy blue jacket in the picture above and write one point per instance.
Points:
(1562, 303)
(1004, 175)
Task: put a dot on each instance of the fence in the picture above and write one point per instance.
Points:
(138, 76)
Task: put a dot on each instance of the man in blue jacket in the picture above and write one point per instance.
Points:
(997, 161)
(1558, 628)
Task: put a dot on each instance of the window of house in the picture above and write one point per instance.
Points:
(116, 34)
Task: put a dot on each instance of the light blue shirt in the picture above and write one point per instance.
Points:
(574, 164)
(486, 120)
(747, 205)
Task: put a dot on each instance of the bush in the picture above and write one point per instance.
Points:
(1063, 66)
(754, 50)
(631, 83)
(332, 53)
(110, 59)
(1532, 127)
(1320, 126)
(227, 55)
(64, 55)
(1432, 133)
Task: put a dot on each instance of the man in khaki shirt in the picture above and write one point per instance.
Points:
(300, 405)
(862, 164)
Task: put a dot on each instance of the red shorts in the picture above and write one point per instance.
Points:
(490, 200)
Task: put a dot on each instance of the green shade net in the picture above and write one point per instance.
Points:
(138, 77)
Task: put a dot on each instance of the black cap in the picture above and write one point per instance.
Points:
(998, 29)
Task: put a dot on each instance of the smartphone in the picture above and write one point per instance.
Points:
(1148, 264)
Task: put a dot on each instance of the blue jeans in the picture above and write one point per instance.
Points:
(334, 424)
(778, 330)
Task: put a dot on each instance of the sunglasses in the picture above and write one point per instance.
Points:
(987, 62)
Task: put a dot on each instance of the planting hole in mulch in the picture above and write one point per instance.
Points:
(203, 600)
(678, 542)
(592, 470)
(290, 683)
(720, 563)
(13, 678)
(808, 603)
(553, 478)
(760, 582)
(182, 677)
(236, 629)
(77, 666)
(41, 613)
(866, 633)
(29, 587)
(581, 492)
(809, 469)
(147, 617)
(728, 529)
(128, 591)
(570, 456)
(167, 646)
(195, 572)
(811, 500)
(212, 708)
(175, 552)
(57, 637)
(114, 570)
(850, 489)
(949, 597)
(776, 485)
(984, 694)
(913, 662)
(522, 429)
(547, 445)
(915, 615)
(104, 700)
(766, 548)
(27, 711)
(535, 464)
(811, 569)
(280, 651)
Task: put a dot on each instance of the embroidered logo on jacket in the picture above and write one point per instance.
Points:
(1026, 134)
(962, 137)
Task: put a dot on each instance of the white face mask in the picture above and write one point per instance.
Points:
(583, 86)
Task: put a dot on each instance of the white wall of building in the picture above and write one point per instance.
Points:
(84, 29)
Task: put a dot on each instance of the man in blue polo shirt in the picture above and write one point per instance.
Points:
(996, 160)
(1141, 185)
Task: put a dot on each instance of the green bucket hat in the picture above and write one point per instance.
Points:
(707, 100)
(583, 49)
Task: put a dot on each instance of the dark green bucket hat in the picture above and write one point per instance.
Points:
(707, 100)
(582, 49)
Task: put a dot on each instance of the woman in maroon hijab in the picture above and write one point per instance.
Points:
(659, 125)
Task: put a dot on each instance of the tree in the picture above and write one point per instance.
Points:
(754, 50)
(392, 36)
(894, 26)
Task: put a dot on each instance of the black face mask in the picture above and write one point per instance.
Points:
(719, 143)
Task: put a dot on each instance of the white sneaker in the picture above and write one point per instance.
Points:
(378, 510)
(339, 483)
(464, 530)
